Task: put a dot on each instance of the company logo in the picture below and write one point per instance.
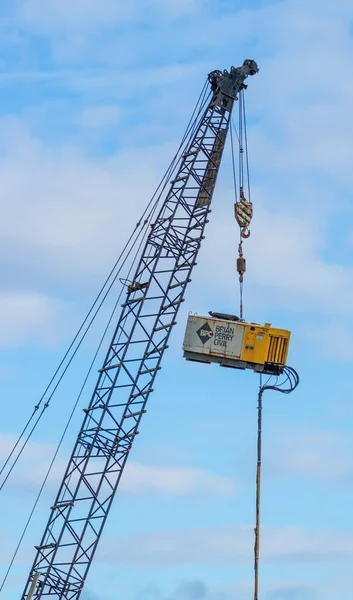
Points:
(205, 333)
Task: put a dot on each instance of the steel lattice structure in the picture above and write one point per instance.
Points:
(134, 357)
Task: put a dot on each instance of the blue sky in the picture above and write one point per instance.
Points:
(94, 100)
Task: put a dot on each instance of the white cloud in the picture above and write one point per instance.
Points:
(287, 264)
(69, 215)
(332, 340)
(292, 270)
(275, 588)
(301, 151)
(99, 116)
(25, 315)
(77, 206)
(138, 478)
(323, 456)
(52, 16)
(174, 481)
(292, 266)
(228, 545)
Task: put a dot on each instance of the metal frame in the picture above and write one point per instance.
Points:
(134, 357)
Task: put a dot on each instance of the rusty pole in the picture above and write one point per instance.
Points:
(258, 495)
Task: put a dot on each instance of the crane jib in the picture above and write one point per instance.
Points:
(134, 356)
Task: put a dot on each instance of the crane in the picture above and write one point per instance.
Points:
(125, 381)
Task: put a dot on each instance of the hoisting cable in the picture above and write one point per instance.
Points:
(240, 140)
(246, 150)
(189, 132)
(73, 411)
(286, 386)
(233, 163)
(243, 209)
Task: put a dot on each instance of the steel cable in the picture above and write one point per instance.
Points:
(63, 436)
(190, 129)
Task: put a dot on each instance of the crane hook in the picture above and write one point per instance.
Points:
(243, 211)
(245, 232)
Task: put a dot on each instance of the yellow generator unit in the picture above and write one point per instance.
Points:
(226, 340)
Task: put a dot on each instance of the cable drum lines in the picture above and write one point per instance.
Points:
(127, 260)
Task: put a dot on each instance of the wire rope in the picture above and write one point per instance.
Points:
(189, 132)
(241, 149)
(233, 162)
(145, 235)
(13, 558)
(246, 151)
(66, 428)
(88, 373)
(63, 373)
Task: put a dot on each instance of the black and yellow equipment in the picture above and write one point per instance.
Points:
(230, 342)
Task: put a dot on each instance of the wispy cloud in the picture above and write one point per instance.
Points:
(28, 315)
(99, 116)
(138, 479)
(242, 589)
(333, 340)
(292, 593)
(229, 545)
(70, 194)
(322, 456)
(66, 211)
(188, 590)
(53, 15)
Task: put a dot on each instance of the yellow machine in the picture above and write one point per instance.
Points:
(226, 340)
